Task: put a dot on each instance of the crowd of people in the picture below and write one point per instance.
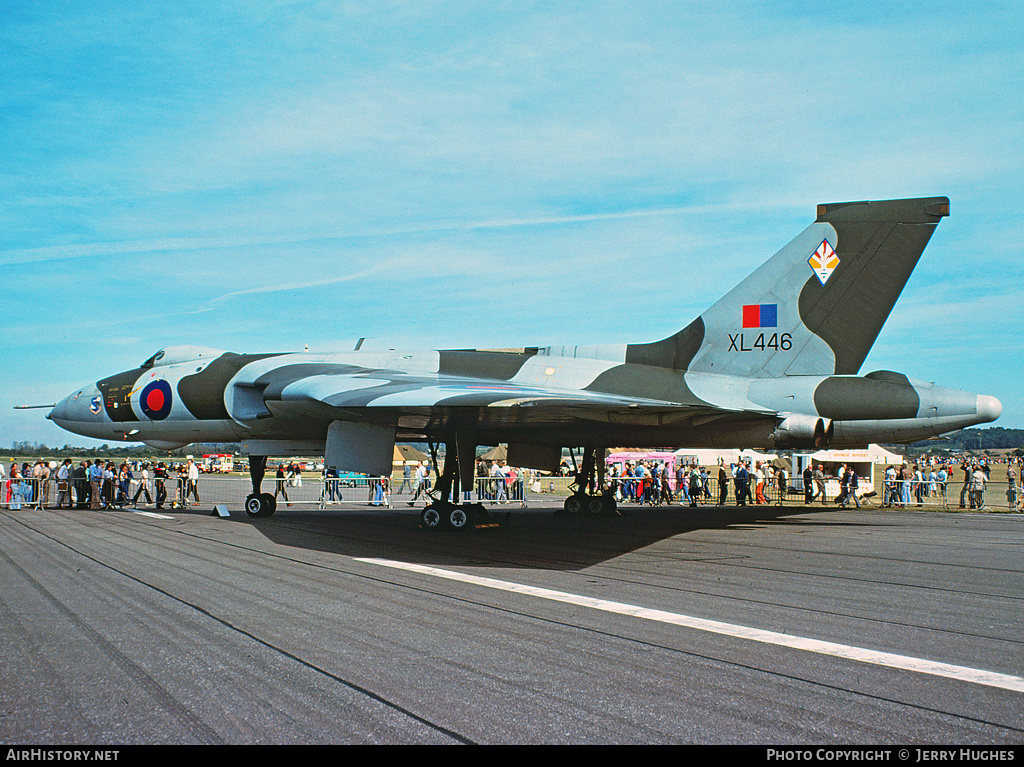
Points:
(97, 484)
(494, 480)
(814, 479)
(910, 485)
(654, 483)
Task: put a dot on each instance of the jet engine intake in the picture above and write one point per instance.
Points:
(799, 430)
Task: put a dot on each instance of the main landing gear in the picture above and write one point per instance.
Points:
(590, 475)
(442, 513)
(445, 514)
(582, 503)
(259, 504)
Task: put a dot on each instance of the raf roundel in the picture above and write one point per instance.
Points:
(156, 400)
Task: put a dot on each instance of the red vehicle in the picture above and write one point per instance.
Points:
(218, 463)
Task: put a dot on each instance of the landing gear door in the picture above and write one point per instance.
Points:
(363, 448)
(540, 457)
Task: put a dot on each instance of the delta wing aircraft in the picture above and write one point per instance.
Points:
(773, 364)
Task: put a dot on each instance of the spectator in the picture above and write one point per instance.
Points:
(281, 482)
(160, 484)
(191, 482)
(64, 478)
(978, 481)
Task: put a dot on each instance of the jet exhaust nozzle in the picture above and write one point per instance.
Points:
(803, 431)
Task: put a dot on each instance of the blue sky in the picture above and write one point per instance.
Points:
(262, 176)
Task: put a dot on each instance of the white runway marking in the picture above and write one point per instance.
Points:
(904, 662)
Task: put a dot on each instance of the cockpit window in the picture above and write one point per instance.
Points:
(175, 355)
(154, 359)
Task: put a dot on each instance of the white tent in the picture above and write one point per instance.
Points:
(714, 457)
(873, 454)
(862, 461)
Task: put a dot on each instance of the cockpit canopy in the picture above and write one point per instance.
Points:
(175, 354)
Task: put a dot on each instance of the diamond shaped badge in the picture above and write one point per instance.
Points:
(823, 261)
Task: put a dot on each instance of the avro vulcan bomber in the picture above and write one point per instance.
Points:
(773, 364)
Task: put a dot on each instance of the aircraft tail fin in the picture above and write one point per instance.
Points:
(816, 306)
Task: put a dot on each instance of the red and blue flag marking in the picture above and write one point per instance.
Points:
(761, 316)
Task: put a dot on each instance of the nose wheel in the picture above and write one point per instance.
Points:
(260, 505)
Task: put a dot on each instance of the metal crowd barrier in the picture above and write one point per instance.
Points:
(304, 492)
(496, 490)
(74, 493)
(903, 493)
(493, 490)
(827, 491)
(309, 492)
(23, 492)
(708, 493)
(317, 492)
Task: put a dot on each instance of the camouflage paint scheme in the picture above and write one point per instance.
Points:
(773, 364)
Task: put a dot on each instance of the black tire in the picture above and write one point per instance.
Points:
(431, 518)
(457, 518)
(260, 505)
(573, 504)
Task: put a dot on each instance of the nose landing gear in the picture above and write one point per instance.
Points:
(259, 504)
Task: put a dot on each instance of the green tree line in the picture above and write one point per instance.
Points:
(27, 449)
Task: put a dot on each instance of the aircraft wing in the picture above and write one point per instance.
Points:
(496, 403)
(418, 404)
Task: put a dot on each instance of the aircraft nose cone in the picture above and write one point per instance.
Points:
(83, 406)
(989, 408)
(59, 412)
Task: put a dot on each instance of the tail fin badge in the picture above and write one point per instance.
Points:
(823, 261)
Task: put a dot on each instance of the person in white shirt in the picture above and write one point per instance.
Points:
(498, 475)
(421, 482)
(889, 495)
(64, 484)
(192, 482)
(143, 486)
(978, 482)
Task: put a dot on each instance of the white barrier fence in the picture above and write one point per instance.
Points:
(316, 492)
(904, 493)
(907, 493)
(304, 492)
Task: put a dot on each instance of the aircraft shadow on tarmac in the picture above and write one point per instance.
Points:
(526, 538)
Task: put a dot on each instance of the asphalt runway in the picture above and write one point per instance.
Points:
(665, 625)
